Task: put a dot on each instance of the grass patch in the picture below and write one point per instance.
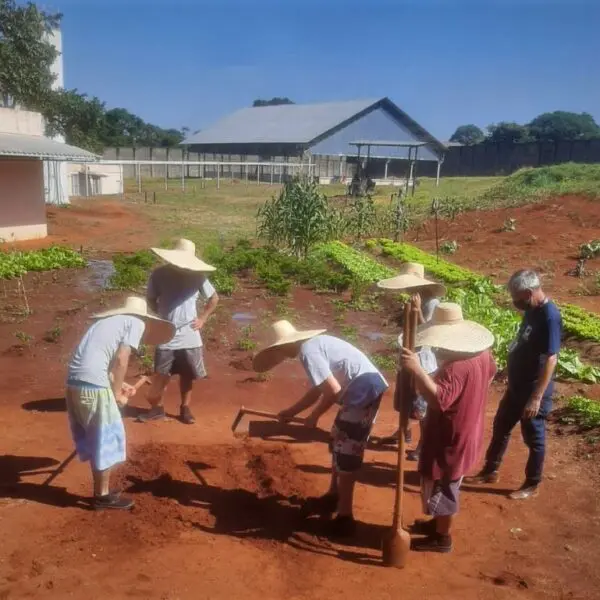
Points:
(532, 184)
(132, 270)
(384, 362)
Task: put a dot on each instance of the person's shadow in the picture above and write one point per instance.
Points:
(13, 468)
(244, 514)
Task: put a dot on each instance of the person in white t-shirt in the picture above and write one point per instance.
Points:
(338, 373)
(173, 292)
(426, 297)
(96, 383)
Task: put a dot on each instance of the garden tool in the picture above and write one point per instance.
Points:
(396, 544)
(138, 384)
(258, 413)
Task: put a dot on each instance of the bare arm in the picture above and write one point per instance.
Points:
(209, 309)
(309, 399)
(330, 390)
(119, 369)
(547, 371)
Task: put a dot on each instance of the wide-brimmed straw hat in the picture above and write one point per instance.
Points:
(448, 330)
(183, 256)
(411, 279)
(284, 333)
(157, 331)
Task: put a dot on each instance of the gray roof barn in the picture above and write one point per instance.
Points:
(323, 129)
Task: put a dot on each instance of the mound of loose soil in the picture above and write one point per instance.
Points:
(250, 490)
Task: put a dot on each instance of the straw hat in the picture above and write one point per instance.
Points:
(183, 256)
(410, 279)
(448, 330)
(157, 331)
(284, 333)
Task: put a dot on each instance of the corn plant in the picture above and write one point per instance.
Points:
(298, 218)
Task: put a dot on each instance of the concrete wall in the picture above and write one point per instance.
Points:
(22, 207)
(25, 122)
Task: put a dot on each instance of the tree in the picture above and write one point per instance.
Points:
(272, 102)
(26, 54)
(561, 125)
(508, 132)
(468, 135)
(79, 118)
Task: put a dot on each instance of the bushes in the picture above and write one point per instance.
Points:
(132, 270)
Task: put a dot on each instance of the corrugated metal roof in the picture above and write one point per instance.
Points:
(31, 146)
(285, 124)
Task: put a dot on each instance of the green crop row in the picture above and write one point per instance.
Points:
(587, 410)
(16, 264)
(577, 321)
(357, 264)
(441, 269)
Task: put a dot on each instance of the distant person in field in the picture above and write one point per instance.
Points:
(456, 397)
(532, 360)
(426, 296)
(173, 292)
(96, 386)
(339, 374)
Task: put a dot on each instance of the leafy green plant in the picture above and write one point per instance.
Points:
(361, 216)
(349, 332)
(590, 250)
(53, 335)
(588, 411)
(245, 342)
(449, 247)
(384, 362)
(358, 264)
(16, 264)
(131, 270)
(146, 359)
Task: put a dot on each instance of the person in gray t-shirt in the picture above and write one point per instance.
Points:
(174, 291)
(338, 373)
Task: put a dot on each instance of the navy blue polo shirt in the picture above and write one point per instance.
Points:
(539, 337)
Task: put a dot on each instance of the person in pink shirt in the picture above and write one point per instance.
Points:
(456, 398)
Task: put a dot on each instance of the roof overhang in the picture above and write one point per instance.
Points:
(16, 145)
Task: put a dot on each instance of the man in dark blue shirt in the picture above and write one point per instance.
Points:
(532, 361)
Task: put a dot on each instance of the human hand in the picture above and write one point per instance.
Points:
(409, 360)
(198, 324)
(416, 301)
(128, 390)
(122, 400)
(285, 416)
(532, 408)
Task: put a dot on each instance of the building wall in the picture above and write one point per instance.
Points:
(25, 122)
(109, 178)
(22, 207)
(378, 124)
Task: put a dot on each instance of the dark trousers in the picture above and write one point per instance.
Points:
(510, 412)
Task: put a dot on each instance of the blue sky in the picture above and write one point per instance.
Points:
(445, 62)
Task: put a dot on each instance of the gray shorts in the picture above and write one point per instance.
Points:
(440, 498)
(186, 362)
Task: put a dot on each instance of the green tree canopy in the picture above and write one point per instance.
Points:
(508, 132)
(272, 102)
(468, 135)
(561, 125)
(26, 55)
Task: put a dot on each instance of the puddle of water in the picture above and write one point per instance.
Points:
(243, 317)
(375, 336)
(98, 274)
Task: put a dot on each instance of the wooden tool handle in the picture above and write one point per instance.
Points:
(140, 382)
(270, 415)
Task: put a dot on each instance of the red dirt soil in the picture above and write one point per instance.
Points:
(547, 238)
(217, 517)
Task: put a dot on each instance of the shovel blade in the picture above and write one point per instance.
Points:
(396, 546)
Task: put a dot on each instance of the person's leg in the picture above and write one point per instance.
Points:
(163, 364)
(413, 455)
(345, 485)
(101, 482)
(190, 366)
(508, 415)
(534, 436)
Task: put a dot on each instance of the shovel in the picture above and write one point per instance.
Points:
(396, 543)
